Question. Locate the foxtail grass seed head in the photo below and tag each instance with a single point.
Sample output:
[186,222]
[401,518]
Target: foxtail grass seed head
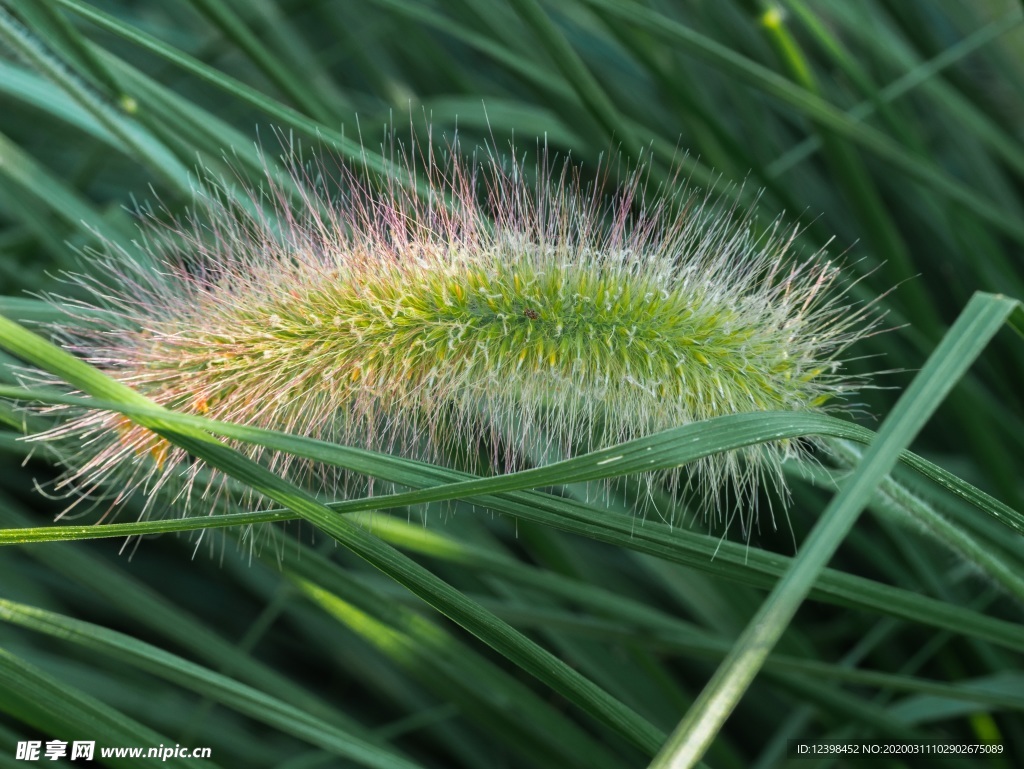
[463,312]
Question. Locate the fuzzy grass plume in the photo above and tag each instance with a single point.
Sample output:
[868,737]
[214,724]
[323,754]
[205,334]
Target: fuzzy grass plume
[481,315]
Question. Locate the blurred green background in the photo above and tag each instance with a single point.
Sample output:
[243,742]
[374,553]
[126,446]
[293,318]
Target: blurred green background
[891,129]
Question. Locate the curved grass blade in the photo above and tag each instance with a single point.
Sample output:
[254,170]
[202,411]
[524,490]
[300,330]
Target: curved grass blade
[452,603]
[488,695]
[730,560]
[667,449]
[106,114]
[120,590]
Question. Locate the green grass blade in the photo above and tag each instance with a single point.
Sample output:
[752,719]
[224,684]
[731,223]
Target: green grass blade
[288,117]
[36,181]
[906,507]
[449,601]
[587,88]
[743,68]
[120,590]
[644,624]
[19,39]
[670,448]
[978,323]
[54,707]
[240,697]
[922,73]
[726,559]
[426,649]
[286,78]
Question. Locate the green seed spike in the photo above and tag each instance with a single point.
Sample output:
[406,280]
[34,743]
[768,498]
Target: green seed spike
[490,310]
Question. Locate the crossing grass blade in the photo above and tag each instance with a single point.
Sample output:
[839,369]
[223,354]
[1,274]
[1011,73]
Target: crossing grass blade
[981,319]
[663,450]
[450,602]
[769,82]
[118,588]
[668,449]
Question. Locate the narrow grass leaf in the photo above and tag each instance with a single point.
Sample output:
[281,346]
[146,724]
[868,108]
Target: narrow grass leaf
[54,707]
[978,323]
[449,601]
[240,697]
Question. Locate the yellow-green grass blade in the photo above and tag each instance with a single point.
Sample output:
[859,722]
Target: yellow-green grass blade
[646,627]
[640,623]
[487,695]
